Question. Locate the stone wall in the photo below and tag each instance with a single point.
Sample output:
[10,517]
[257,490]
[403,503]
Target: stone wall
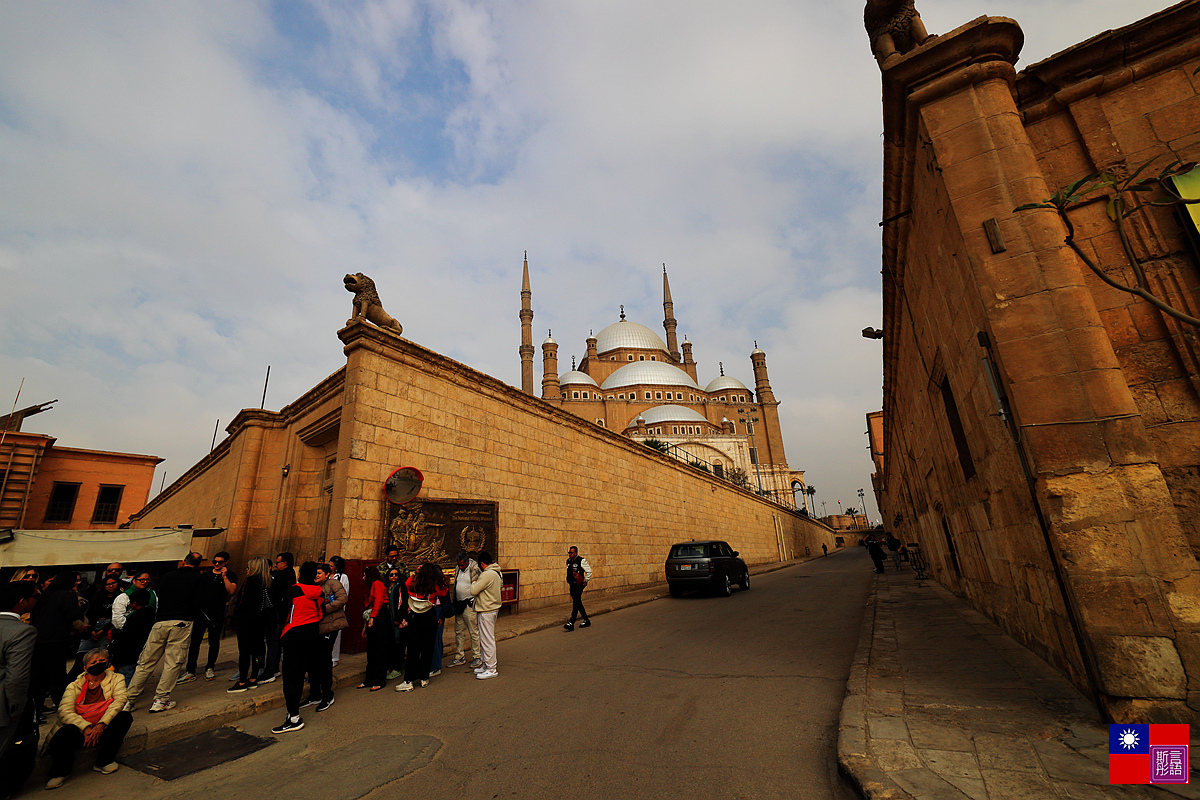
[1028,448]
[558,479]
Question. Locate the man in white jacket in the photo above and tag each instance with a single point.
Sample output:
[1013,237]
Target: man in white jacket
[486,591]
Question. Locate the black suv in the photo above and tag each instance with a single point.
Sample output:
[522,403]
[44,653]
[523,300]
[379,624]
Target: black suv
[705,565]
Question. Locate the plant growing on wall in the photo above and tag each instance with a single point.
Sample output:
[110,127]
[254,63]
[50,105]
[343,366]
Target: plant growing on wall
[738,477]
[1126,197]
[656,444]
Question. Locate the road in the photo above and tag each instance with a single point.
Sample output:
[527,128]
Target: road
[692,697]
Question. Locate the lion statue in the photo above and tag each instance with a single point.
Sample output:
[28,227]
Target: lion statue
[894,26]
[367,305]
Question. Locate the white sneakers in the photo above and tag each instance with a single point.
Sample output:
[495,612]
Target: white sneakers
[159,706]
[404,687]
[107,769]
[487,673]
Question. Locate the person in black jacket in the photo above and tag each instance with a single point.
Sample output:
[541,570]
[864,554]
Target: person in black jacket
[252,614]
[127,643]
[178,606]
[54,617]
[283,578]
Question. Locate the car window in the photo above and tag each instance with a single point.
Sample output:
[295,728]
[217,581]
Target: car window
[720,550]
[688,551]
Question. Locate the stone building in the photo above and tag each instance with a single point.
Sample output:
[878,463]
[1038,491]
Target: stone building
[1042,428]
[633,382]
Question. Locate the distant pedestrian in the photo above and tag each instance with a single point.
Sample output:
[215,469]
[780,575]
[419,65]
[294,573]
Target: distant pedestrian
[486,591]
[894,545]
[824,550]
[218,586]
[876,552]
[178,606]
[466,626]
[579,572]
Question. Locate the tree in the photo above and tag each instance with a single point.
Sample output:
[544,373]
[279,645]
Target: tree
[738,477]
[851,511]
[1126,199]
[811,491]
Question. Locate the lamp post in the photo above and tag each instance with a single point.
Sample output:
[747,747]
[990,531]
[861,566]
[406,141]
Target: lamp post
[862,506]
[744,417]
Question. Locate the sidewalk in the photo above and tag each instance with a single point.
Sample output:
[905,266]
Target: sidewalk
[942,705]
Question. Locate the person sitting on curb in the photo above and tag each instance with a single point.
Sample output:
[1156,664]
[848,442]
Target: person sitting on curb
[90,715]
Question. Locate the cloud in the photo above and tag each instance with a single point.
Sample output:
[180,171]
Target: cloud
[185,184]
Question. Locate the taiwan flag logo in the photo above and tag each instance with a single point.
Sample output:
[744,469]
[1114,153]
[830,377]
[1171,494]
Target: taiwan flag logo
[1147,754]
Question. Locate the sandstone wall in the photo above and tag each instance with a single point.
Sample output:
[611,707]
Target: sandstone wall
[559,480]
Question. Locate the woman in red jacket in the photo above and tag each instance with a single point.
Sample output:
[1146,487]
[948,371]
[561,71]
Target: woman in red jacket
[386,611]
[300,642]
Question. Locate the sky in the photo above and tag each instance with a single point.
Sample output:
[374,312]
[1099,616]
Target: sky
[183,185]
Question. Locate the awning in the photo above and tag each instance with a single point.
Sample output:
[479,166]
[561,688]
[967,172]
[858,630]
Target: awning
[20,548]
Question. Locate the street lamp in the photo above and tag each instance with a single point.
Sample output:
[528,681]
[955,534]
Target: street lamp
[862,505]
[745,418]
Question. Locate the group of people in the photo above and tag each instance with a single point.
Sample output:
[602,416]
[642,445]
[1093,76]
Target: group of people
[875,548]
[122,630]
[406,613]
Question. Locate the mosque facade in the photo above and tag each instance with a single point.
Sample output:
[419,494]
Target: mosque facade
[633,382]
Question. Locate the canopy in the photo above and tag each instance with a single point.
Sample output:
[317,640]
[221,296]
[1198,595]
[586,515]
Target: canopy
[20,548]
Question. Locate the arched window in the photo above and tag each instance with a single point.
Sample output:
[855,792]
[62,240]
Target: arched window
[574,395]
[600,422]
[648,395]
[658,395]
[631,357]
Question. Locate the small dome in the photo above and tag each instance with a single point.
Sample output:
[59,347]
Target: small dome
[724,382]
[549,340]
[668,413]
[653,373]
[575,376]
[628,334]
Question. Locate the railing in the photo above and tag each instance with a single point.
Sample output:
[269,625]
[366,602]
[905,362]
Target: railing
[680,454]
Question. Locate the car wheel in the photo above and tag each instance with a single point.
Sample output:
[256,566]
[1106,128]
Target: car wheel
[726,588]
[675,590]
[745,584]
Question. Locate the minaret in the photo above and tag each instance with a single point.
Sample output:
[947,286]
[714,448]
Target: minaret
[550,387]
[770,435]
[526,331]
[762,386]
[669,318]
[689,363]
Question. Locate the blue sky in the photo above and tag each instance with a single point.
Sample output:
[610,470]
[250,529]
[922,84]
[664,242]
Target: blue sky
[186,183]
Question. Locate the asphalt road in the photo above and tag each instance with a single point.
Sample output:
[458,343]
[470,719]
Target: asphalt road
[697,697]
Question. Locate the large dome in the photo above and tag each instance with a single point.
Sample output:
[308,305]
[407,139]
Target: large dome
[628,334]
[668,413]
[653,373]
[575,376]
[724,382]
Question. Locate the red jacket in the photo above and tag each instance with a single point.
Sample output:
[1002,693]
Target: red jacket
[306,606]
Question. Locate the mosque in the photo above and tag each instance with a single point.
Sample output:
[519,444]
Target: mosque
[634,383]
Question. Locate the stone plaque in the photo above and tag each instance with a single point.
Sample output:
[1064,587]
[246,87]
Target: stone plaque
[435,530]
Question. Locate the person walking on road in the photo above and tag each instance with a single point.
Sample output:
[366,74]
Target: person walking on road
[875,550]
[300,642]
[486,592]
[894,545]
[178,606]
[579,572]
[466,626]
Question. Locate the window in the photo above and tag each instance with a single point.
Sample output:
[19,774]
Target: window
[956,430]
[612,358]
[641,358]
[62,502]
[108,501]
[647,395]
[611,397]
[586,396]
[631,357]
[600,422]
[668,395]
[721,398]
[621,396]
[653,358]
[574,395]
[753,455]
[658,395]
[719,469]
